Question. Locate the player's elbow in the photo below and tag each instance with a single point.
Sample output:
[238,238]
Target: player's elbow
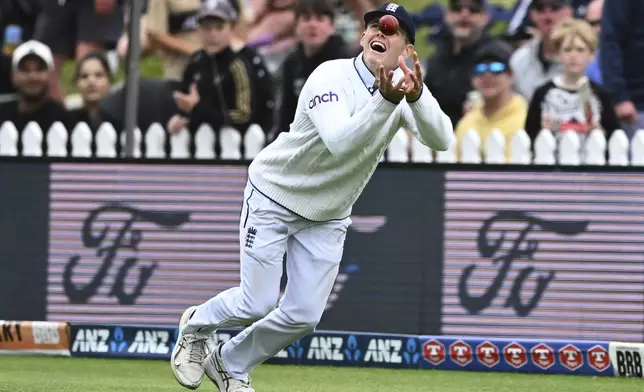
[439,138]
[337,149]
[444,142]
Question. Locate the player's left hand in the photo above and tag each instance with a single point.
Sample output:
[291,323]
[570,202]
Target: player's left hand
[413,79]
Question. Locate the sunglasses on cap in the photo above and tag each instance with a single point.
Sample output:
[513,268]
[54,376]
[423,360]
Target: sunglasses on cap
[473,8]
[543,5]
[496,68]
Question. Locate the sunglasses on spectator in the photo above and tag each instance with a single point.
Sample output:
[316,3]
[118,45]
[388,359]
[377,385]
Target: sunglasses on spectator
[495,68]
[472,8]
[542,6]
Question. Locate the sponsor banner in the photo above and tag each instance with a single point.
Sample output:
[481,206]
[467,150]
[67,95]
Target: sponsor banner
[547,255]
[137,244]
[34,337]
[525,356]
[382,351]
[627,359]
[353,349]
[320,348]
[93,340]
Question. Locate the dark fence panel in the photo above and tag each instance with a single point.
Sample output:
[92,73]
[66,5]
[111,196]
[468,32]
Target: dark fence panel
[24,203]
[396,286]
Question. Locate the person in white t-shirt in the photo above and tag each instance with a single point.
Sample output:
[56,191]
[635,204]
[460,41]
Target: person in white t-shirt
[298,201]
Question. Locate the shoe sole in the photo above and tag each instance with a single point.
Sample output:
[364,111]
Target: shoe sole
[182,321]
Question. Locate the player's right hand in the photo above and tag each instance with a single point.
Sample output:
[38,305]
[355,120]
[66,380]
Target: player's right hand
[393,93]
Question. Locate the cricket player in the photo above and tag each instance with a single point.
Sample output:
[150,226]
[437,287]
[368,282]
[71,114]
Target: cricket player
[298,200]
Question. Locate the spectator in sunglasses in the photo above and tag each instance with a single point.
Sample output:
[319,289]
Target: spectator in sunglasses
[499,106]
[449,69]
[536,61]
[594,18]
[520,25]
[571,102]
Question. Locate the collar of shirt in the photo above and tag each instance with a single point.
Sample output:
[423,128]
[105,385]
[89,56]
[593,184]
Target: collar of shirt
[368,78]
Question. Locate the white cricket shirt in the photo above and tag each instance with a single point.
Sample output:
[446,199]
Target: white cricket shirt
[341,129]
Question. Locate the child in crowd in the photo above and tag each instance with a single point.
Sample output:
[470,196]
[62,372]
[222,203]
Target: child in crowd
[570,101]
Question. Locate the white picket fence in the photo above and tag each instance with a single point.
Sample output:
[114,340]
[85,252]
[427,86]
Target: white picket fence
[106,139]
[569,150]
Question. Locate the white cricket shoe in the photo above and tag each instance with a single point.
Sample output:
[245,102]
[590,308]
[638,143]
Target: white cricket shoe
[188,355]
[214,368]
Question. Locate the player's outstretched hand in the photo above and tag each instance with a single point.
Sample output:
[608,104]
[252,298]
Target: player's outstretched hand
[384,82]
[413,79]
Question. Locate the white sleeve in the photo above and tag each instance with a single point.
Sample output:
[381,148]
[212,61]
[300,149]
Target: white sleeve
[427,121]
[327,106]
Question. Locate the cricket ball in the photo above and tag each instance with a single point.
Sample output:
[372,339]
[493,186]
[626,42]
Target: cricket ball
[388,25]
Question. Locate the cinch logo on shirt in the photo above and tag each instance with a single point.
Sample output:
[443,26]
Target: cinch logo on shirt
[328,97]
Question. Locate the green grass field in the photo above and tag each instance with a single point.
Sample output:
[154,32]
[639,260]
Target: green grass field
[33,374]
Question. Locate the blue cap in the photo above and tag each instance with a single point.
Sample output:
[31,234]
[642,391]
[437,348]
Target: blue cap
[399,12]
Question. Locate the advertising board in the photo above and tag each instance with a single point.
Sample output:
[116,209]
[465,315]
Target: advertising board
[34,337]
[139,243]
[498,253]
[544,254]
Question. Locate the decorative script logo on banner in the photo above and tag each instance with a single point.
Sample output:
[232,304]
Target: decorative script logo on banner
[126,238]
[521,248]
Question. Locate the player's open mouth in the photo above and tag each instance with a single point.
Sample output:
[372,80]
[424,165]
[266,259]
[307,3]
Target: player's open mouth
[378,47]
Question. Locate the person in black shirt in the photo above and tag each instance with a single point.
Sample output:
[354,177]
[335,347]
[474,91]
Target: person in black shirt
[448,71]
[264,82]
[264,88]
[93,79]
[219,85]
[32,65]
[318,43]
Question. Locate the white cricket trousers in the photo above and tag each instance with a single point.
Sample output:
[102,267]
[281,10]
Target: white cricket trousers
[314,251]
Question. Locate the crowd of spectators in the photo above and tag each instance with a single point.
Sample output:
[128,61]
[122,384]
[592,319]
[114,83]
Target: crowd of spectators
[564,65]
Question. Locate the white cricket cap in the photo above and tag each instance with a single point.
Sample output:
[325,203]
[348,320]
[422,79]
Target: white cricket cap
[33,48]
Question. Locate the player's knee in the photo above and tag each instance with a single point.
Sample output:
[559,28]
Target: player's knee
[305,320]
[258,310]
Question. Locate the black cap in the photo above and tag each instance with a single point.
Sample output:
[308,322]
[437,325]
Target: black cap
[495,51]
[397,11]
